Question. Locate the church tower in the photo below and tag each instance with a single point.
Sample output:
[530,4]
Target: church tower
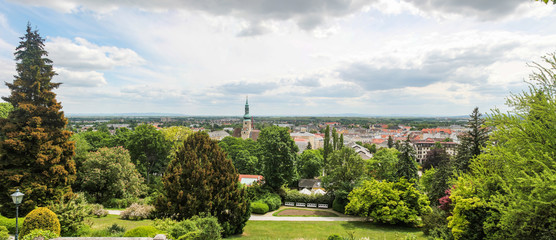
[247,127]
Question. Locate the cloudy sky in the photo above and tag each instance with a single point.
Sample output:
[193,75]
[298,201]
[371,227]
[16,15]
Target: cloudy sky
[292,57]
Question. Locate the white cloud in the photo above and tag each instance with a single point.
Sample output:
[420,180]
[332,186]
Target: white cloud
[84,55]
[79,78]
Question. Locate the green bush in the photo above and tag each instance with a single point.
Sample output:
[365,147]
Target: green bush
[182,228]
[115,229]
[164,224]
[4,235]
[40,233]
[198,227]
[71,213]
[435,224]
[259,207]
[335,237]
[120,203]
[137,212]
[9,223]
[41,218]
[143,231]
[208,226]
[273,201]
[339,205]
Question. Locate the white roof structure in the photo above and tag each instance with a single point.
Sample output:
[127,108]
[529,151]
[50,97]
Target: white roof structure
[305,191]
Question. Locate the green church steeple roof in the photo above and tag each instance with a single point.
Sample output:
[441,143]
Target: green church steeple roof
[247,116]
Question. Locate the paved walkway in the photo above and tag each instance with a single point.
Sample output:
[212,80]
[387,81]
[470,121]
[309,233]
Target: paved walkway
[114,212]
[341,217]
[268,216]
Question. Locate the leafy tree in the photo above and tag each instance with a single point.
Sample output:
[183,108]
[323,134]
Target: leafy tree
[472,141]
[406,166]
[96,139]
[176,135]
[341,142]
[5,109]
[109,173]
[200,179]
[383,164]
[278,155]
[509,191]
[344,170]
[436,156]
[370,147]
[388,202]
[309,146]
[149,150]
[310,164]
[35,152]
[243,154]
[120,137]
[335,139]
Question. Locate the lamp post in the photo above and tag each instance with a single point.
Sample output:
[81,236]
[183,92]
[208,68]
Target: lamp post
[17,196]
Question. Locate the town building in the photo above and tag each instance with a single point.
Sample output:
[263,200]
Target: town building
[423,147]
[247,130]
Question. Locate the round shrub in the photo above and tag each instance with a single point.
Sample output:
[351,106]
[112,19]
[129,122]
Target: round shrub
[41,218]
[183,228]
[259,207]
[208,226]
[143,231]
[272,200]
[39,233]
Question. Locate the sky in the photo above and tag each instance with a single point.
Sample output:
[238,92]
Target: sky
[291,57]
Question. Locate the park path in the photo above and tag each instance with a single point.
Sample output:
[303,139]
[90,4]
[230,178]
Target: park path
[341,217]
[268,216]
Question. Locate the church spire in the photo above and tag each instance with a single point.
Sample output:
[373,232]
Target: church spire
[246,116]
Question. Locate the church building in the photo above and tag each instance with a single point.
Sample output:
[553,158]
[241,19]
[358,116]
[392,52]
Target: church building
[247,130]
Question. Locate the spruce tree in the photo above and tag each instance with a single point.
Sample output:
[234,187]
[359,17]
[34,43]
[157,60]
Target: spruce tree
[390,142]
[36,154]
[200,179]
[472,141]
[406,166]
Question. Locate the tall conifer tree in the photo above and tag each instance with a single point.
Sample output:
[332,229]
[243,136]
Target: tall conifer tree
[36,154]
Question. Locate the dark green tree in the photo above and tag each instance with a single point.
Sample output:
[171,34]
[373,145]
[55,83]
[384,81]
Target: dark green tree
[390,142]
[344,169]
[309,146]
[200,179]
[244,154]
[278,155]
[435,157]
[149,150]
[310,164]
[335,139]
[406,166]
[35,152]
[341,142]
[327,147]
[472,141]
[96,139]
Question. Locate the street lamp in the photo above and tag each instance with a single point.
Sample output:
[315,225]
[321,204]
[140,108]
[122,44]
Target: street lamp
[17,196]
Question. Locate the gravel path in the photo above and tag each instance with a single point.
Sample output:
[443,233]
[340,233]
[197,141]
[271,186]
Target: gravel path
[341,217]
[114,212]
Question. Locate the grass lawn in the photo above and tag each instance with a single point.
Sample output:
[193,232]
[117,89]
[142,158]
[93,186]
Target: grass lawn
[321,230]
[104,222]
[296,212]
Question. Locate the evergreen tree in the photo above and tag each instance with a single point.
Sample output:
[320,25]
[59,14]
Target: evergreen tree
[200,179]
[309,146]
[390,142]
[472,141]
[406,166]
[35,151]
[341,142]
[327,148]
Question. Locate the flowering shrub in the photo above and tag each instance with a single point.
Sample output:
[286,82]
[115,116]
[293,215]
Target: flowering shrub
[446,202]
[137,212]
[98,210]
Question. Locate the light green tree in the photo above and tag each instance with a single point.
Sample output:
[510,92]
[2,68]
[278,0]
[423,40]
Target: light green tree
[509,190]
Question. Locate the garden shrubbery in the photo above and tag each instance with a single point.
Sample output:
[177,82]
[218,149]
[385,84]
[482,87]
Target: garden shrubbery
[41,218]
[197,227]
[295,196]
[4,235]
[40,233]
[259,207]
[9,223]
[142,231]
[98,210]
[137,212]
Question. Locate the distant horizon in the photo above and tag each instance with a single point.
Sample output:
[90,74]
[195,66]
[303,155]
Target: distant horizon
[239,116]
